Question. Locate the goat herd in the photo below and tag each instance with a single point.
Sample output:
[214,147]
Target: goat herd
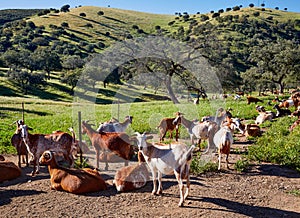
[111,143]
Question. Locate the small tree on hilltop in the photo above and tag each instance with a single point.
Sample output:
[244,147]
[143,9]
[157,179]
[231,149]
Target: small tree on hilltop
[251,5]
[65,8]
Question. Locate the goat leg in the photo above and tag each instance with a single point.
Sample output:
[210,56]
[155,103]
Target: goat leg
[227,162]
[159,190]
[181,189]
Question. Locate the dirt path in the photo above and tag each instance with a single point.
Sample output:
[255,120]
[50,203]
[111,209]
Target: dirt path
[264,191]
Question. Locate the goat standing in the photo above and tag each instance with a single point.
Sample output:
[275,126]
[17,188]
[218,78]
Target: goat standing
[223,139]
[201,130]
[167,161]
[167,125]
[37,143]
[118,143]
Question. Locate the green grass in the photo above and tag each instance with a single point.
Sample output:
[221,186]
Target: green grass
[278,145]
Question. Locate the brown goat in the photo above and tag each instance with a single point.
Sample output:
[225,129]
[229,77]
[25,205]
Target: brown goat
[251,99]
[132,177]
[38,143]
[167,125]
[253,130]
[118,143]
[76,181]
[8,170]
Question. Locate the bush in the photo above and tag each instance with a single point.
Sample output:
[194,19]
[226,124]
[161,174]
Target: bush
[82,15]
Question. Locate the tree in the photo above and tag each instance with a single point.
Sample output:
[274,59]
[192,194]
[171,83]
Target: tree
[82,15]
[49,60]
[100,13]
[65,8]
[275,62]
[71,78]
[251,5]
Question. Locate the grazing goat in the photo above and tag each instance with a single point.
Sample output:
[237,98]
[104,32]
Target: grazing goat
[17,142]
[281,112]
[264,116]
[76,181]
[201,130]
[251,99]
[132,177]
[115,125]
[38,143]
[223,139]
[167,161]
[118,143]
[252,130]
[8,170]
[167,125]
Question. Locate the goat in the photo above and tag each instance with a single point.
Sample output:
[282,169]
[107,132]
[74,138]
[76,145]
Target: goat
[37,143]
[264,116]
[8,170]
[76,181]
[221,115]
[167,125]
[223,139]
[259,108]
[287,103]
[252,130]
[115,125]
[251,99]
[201,130]
[280,112]
[167,161]
[132,177]
[17,142]
[118,143]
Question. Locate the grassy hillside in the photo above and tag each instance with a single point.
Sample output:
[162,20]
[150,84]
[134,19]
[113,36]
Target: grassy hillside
[94,28]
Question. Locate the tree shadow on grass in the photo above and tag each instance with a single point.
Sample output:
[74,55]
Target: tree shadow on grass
[3,109]
[245,209]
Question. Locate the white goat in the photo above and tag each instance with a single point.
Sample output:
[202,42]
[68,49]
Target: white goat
[221,115]
[223,139]
[201,130]
[264,116]
[167,161]
[115,126]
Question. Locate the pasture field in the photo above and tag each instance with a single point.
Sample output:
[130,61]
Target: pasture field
[277,145]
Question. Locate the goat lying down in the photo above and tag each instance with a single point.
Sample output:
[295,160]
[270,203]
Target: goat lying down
[69,179]
[167,161]
[132,177]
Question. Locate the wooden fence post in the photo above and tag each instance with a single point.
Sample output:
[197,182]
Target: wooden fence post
[80,136]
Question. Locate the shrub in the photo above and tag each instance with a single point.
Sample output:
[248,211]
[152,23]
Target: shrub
[256,14]
[82,15]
